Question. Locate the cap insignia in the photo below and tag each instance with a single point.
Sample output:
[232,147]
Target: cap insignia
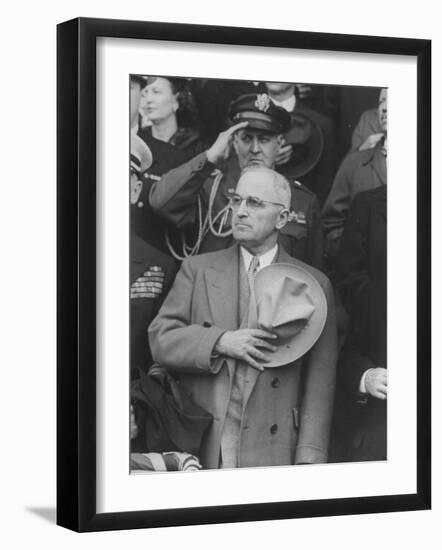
[262,102]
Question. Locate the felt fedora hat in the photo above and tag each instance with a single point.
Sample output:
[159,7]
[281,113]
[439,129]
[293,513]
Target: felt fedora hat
[290,303]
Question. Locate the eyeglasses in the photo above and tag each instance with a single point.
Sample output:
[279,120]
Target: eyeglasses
[252,203]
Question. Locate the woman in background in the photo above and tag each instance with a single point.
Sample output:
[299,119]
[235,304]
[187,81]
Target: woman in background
[170,114]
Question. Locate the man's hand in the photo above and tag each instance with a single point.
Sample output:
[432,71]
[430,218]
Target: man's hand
[284,154]
[221,148]
[371,141]
[376,383]
[243,344]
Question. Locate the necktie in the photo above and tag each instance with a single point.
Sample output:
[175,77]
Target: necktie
[251,274]
[252,271]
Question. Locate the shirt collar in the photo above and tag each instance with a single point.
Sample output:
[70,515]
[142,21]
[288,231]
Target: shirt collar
[264,260]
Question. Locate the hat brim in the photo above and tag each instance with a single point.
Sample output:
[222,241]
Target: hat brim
[315,147]
[259,124]
[303,341]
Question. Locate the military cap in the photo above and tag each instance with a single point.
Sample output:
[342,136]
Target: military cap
[260,112]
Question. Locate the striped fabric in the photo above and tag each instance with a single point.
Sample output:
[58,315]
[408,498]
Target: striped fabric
[163,462]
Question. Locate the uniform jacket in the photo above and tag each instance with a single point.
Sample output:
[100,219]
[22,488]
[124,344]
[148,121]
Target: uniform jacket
[175,198]
[359,171]
[143,310]
[146,223]
[287,409]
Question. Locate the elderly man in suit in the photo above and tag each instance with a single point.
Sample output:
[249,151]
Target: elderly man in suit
[263,415]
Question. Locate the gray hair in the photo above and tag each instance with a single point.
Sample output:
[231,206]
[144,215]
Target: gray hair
[279,182]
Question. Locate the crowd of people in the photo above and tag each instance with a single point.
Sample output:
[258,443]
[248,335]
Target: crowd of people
[258,273]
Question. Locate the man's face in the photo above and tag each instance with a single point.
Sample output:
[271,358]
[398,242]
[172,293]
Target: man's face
[256,147]
[382,109]
[256,227]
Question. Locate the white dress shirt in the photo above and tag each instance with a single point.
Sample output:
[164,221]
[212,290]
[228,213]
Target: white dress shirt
[264,260]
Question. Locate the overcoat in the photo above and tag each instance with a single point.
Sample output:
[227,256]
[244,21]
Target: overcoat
[287,410]
[359,171]
[360,420]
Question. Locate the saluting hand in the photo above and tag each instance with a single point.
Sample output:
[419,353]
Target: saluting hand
[284,153]
[243,344]
[220,149]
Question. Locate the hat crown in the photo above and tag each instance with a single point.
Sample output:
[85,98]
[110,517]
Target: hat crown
[291,303]
[285,308]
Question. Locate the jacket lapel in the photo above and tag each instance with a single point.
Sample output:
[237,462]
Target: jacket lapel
[283,257]
[222,289]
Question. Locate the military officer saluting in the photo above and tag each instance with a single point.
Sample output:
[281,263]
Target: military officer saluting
[195,196]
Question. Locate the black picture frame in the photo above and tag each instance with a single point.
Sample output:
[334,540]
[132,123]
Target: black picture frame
[76,273]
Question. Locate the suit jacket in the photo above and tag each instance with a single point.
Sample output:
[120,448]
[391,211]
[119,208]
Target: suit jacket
[287,411]
[359,171]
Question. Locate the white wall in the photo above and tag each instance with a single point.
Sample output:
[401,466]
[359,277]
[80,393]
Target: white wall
[27,289]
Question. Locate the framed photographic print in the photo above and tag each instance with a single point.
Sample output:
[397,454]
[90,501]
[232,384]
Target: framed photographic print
[234,274]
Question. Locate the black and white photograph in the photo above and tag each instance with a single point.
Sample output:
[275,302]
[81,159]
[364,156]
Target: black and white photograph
[220,324]
[258,266]
[237,306]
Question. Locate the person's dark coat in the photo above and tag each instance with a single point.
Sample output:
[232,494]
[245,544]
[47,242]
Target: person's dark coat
[167,417]
[359,171]
[145,222]
[142,310]
[187,140]
[362,275]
